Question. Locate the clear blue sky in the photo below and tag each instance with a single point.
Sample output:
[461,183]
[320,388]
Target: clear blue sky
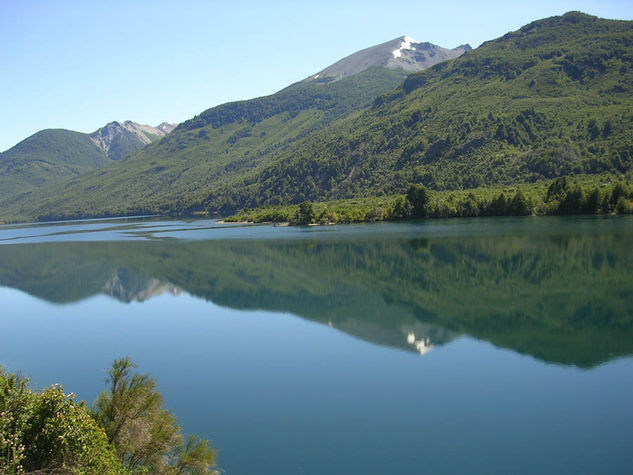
[80,64]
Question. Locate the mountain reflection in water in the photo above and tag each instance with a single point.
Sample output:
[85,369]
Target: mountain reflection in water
[563,297]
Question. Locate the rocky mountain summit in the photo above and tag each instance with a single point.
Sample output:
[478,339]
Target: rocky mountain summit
[400,53]
[166,127]
[120,139]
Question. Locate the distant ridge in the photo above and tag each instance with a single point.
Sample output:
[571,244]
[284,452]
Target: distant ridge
[51,156]
[120,139]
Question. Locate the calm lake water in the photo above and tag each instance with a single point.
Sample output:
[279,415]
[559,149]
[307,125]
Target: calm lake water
[446,346]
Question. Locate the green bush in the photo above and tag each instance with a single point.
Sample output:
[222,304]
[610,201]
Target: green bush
[146,436]
[48,431]
[128,431]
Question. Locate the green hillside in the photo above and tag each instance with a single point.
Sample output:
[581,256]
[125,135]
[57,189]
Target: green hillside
[554,98]
[47,157]
[551,99]
[225,141]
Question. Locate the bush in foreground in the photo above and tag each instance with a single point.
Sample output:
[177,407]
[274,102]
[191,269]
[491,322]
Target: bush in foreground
[47,431]
[127,430]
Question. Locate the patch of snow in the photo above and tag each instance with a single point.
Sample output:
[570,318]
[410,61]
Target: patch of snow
[408,40]
[406,44]
[316,76]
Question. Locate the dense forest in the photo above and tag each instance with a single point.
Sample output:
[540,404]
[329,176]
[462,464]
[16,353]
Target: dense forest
[49,156]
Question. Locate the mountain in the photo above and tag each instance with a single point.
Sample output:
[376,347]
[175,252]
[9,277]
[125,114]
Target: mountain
[553,98]
[119,140]
[48,156]
[226,142]
[401,53]
[550,99]
[51,156]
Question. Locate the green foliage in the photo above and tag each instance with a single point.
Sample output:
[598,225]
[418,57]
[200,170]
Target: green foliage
[47,158]
[335,99]
[418,197]
[551,99]
[145,435]
[566,197]
[341,211]
[176,174]
[193,455]
[563,196]
[520,206]
[624,205]
[63,435]
[49,432]
[305,214]
[401,209]
[15,408]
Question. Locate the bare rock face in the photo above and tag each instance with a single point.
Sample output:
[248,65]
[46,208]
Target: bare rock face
[120,139]
[403,53]
[166,127]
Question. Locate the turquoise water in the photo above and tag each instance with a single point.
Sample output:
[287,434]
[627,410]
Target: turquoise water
[478,346]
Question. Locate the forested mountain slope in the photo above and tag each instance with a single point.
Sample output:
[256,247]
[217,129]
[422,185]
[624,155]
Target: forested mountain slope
[51,156]
[221,144]
[553,98]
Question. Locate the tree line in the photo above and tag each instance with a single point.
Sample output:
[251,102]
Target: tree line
[563,196]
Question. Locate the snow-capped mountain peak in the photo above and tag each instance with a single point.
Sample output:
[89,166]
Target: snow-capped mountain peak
[400,53]
[406,44]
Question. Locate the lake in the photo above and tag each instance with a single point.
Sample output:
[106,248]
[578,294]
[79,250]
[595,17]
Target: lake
[488,345]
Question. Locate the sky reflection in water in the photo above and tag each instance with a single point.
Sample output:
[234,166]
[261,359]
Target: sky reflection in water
[528,323]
